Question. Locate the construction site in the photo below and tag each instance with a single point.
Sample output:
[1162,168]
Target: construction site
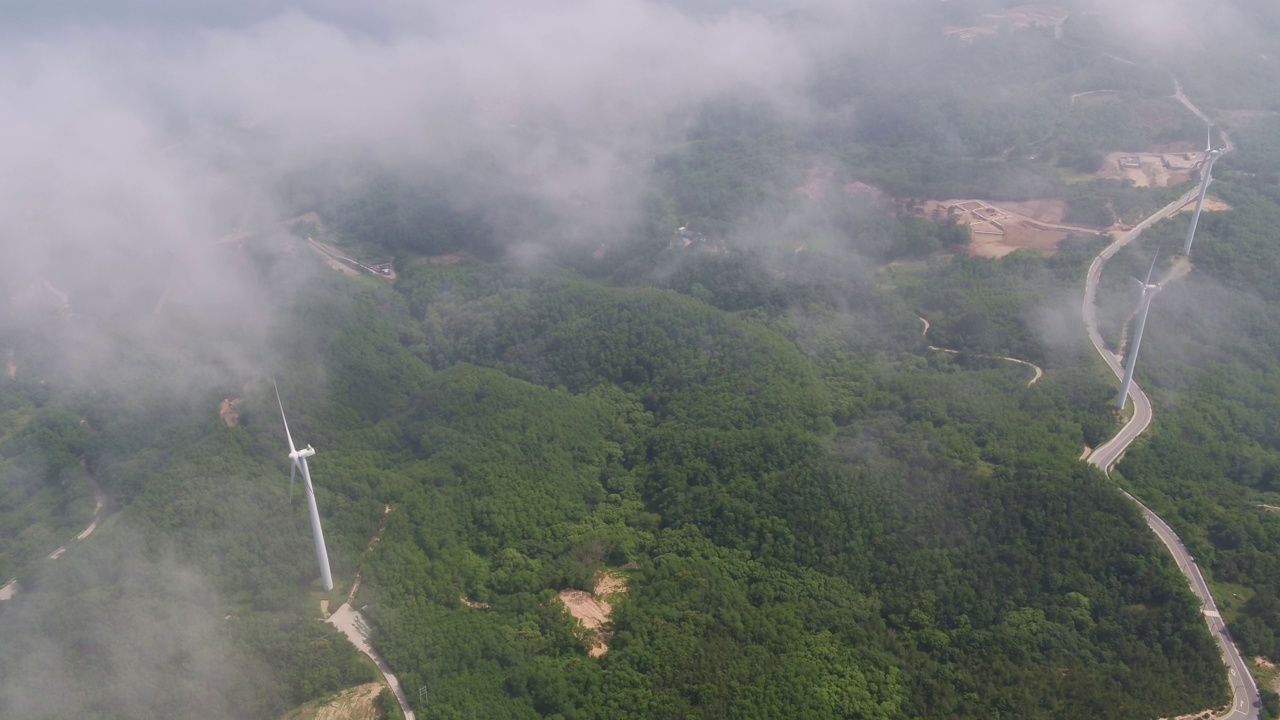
[999,230]
[1151,169]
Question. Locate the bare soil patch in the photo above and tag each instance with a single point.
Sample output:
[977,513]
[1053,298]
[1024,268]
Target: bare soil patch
[1211,204]
[1047,211]
[229,411]
[593,610]
[357,703]
[995,231]
[1150,169]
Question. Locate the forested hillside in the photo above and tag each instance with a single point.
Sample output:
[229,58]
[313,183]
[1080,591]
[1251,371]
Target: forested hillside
[723,397]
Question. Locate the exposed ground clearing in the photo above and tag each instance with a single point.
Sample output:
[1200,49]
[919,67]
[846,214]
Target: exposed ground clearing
[593,610]
[355,703]
[996,231]
[1046,211]
[229,411]
[1211,204]
[1147,169]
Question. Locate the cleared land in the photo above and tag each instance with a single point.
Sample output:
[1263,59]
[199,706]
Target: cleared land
[229,411]
[593,610]
[1211,204]
[1150,169]
[355,703]
[998,231]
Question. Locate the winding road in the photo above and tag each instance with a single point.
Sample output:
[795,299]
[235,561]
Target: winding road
[1245,701]
[1038,372]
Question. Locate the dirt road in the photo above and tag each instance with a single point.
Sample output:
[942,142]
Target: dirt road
[1038,372]
[352,624]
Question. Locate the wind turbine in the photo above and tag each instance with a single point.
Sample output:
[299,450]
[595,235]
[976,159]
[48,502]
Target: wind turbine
[1144,304]
[298,459]
[1210,156]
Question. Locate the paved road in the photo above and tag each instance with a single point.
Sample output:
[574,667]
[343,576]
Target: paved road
[1245,701]
[1244,692]
[1107,454]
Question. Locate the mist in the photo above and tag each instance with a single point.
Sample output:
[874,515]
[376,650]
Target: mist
[155,152]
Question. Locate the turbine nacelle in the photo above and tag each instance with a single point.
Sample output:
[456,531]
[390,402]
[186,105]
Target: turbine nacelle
[305,452]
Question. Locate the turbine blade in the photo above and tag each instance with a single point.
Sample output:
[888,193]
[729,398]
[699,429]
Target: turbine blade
[322,553]
[1149,270]
[292,449]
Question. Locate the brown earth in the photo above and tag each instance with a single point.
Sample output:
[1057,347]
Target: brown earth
[1157,169]
[355,703]
[1211,204]
[593,610]
[995,232]
[1048,211]
[1017,236]
[229,411]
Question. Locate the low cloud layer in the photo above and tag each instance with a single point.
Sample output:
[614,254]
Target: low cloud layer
[132,146]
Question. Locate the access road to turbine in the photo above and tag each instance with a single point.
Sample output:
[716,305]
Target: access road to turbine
[1245,700]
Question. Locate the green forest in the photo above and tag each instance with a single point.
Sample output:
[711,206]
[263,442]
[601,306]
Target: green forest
[818,510]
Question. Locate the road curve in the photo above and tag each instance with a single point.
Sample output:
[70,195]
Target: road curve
[1107,454]
[1245,700]
[1037,372]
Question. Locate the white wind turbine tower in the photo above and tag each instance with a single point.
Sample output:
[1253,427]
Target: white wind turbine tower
[298,458]
[1211,155]
[1144,304]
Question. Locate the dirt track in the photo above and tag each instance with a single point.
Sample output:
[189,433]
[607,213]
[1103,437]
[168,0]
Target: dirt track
[1038,372]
